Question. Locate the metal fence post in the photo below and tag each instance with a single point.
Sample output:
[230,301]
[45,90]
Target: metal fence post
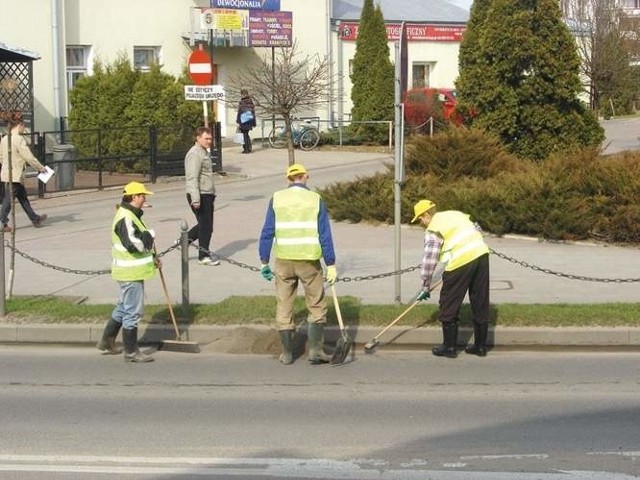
[41,154]
[153,153]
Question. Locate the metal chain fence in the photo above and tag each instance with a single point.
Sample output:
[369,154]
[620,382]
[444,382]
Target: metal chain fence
[362,278]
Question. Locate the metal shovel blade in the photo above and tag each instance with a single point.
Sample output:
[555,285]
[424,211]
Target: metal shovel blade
[343,347]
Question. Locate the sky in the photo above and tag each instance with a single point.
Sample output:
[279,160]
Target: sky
[466,4]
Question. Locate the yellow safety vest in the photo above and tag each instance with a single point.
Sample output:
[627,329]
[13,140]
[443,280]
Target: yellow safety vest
[463,243]
[126,266]
[296,210]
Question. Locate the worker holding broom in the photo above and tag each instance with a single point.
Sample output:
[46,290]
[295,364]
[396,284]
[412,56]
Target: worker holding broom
[133,263]
[451,238]
[297,227]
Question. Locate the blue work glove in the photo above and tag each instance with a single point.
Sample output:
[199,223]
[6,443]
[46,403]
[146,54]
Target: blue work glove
[266,272]
[423,296]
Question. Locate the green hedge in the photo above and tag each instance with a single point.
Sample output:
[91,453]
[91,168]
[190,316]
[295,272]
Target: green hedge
[572,195]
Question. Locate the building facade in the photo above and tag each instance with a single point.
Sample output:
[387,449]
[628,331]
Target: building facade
[70,35]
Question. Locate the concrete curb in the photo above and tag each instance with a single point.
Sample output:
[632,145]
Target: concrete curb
[398,336]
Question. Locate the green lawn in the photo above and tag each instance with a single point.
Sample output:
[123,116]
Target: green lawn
[261,310]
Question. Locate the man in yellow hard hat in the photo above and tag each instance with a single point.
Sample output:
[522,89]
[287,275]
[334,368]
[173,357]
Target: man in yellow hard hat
[133,262]
[453,239]
[297,228]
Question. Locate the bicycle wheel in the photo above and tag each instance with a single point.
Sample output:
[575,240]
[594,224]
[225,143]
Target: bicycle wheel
[309,139]
[278,138]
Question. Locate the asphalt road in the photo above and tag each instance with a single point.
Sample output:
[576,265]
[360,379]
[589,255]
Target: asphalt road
[388,415]
[621,134]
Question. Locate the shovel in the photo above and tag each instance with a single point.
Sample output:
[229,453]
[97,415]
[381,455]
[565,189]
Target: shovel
[344,343]
[369,347]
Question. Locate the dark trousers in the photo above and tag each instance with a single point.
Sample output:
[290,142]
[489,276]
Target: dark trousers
[246,147]
[473,278]
[203,230]
[20,193]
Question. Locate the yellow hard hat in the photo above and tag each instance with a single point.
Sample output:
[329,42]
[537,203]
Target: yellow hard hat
[295,170]
[422,207]
[136,188]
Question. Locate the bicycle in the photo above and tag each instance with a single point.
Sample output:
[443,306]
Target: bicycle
[306,136]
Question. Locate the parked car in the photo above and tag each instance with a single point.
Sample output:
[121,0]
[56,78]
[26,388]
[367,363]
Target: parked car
[422,103]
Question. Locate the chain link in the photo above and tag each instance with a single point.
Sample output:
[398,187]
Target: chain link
[57,268]
[362,278]
[563,275]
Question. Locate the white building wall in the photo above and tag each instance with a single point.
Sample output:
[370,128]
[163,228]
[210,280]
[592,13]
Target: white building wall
[443,56]
[27,24]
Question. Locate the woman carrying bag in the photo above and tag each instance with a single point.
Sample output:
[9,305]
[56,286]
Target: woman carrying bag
[246,119]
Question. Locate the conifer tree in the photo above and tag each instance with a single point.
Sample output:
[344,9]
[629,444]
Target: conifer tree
[519,78]
[372,79]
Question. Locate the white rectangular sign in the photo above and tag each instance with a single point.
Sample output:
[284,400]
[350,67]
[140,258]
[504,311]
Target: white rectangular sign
[204,92]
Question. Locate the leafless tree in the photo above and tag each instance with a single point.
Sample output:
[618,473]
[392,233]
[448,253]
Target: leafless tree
[601,29]
[284,84]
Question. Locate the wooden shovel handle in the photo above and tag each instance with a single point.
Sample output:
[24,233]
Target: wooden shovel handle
[166,296]
[337,307]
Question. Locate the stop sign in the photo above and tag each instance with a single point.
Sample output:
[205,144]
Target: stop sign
[200,70]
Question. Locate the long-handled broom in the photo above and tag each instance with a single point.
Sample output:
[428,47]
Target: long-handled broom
[176,345]
[344,343]
[370,346]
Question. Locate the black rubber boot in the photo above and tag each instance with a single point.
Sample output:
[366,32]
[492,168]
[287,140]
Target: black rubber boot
[107,345]
[315,332]
[131,351]
[479,347]
[450,339]
[286,336]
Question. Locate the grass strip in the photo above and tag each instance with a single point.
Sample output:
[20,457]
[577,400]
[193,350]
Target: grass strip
[261,310]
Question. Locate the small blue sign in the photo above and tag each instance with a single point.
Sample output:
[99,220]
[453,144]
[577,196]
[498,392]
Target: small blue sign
[273,5]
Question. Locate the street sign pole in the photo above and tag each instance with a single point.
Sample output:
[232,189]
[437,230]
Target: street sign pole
[201,73]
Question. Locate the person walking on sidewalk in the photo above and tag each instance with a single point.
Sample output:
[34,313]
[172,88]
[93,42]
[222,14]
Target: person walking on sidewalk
[21,156]
[246,119]
[133,262]
[297,227]
[451,238]
[201,194]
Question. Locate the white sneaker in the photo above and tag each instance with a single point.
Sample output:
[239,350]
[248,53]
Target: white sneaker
[209,261]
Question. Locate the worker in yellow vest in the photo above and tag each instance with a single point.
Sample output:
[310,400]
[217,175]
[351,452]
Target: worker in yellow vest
[453,239]
[133,262]
[297,228]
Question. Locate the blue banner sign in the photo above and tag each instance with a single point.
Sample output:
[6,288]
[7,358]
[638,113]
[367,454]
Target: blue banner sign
[273,5]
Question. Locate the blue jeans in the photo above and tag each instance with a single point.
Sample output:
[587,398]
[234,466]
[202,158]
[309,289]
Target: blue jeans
[130,307]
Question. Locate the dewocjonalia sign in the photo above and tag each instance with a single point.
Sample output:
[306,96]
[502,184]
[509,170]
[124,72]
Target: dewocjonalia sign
[247,4]
[416,32]
[270,29]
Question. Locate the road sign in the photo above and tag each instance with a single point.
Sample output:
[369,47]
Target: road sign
[204,92]
[200,69]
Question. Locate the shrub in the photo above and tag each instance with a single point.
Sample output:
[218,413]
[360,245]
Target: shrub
[578,194]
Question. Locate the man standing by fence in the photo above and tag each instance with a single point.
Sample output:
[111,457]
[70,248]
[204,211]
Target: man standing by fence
[201,194]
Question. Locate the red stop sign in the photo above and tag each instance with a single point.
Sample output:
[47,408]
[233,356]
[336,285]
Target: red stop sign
[200,70]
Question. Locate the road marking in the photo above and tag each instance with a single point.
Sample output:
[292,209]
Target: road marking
[516,456]
[270,467]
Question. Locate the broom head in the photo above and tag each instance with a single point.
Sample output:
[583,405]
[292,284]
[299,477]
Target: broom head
[179,346]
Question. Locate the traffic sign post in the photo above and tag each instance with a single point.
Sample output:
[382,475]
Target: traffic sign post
[201,73]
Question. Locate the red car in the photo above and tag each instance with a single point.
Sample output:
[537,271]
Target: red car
[422,103]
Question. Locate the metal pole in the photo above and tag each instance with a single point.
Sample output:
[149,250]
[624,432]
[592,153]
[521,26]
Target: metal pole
[397,184]
[3,302]
[184,248]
